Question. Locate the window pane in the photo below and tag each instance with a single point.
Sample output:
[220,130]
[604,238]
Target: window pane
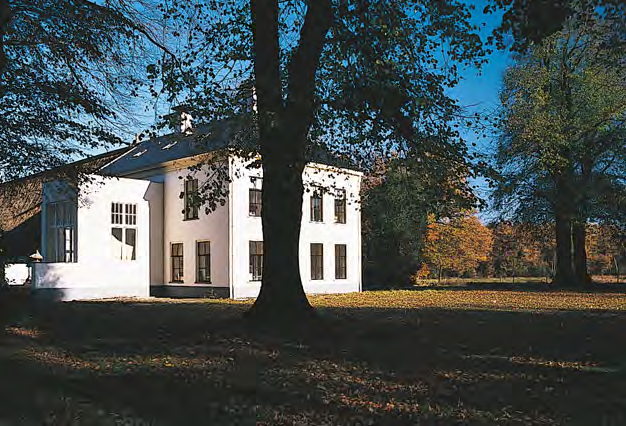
[203,261]
[68,243]
[191,202]
[340,261]
[116,213]
[340,208]
[117,243]
[256,260]
[60,225]
[255,202]
[317,206]
[130,247]
[177,262]
[317,261]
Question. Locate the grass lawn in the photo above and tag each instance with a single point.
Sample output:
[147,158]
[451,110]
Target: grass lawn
[379,358]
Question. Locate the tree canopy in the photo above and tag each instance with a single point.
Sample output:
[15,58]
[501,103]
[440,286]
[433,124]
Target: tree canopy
[456,245]
[357,79]
[396,203]
[68,73]
[561,150]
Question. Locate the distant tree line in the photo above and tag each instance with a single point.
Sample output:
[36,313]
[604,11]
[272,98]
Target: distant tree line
[405,243]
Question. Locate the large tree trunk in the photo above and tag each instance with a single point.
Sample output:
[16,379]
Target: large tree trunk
[283,133]
[282,295]
[564,276]
[5,17]
[579,236]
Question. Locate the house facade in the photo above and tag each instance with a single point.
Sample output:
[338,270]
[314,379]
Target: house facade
[137,227]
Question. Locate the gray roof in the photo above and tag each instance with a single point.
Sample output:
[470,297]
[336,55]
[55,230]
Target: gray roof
[218,135]
[156,151]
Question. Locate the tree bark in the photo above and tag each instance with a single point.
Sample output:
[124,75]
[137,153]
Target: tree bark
[564,276]
[579,236]
[5,17]
[283,135]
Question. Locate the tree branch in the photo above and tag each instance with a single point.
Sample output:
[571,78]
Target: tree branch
[266,52]
[305,61]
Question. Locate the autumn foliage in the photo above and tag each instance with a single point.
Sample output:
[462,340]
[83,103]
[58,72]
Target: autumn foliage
[456,246]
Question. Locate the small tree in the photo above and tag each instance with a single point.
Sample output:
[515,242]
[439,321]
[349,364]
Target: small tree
[457,245]
[396,201]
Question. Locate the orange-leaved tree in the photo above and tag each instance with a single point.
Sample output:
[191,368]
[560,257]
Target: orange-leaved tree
[456,245]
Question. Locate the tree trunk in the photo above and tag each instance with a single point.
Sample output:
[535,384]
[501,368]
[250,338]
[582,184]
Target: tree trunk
[5,17]
[579,235]
[564,276]
[283,134]
[3,281]
[282,295]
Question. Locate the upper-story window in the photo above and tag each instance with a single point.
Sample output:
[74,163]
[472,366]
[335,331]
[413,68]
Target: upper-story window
[255,202]
[61,232]
[191,199]
[124,231]
[340,207]
[317,206]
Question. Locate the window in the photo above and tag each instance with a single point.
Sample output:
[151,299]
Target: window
[61,228]
[191,199]
[340,207]
[256,260]
[176,257]
[317,206]
[116,213]
[124,243]
[341,266]
[255,202]
[124,233]
[203,262]
[131,214]
[317,261]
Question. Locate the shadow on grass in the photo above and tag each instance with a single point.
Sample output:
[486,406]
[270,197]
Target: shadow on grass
[184,363]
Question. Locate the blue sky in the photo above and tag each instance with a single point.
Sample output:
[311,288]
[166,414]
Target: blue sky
[479,90]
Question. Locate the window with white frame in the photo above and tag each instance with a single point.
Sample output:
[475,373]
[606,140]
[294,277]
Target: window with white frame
[255,202]
[124,231]
[61,232]
[191,199]
[256,260]
[341,264]
[317,206]
[176,260]
[203,261]
[317,261]
[340,207]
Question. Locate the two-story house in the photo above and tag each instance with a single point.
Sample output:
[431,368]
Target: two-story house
[136,228]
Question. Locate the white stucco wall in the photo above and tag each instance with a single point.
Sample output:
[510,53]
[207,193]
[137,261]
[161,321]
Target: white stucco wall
[96,273]
[247,228]
[213,227]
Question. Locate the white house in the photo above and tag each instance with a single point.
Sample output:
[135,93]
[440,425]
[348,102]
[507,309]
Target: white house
[135,228]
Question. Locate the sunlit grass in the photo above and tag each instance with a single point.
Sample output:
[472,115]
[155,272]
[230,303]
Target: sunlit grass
[475,299]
